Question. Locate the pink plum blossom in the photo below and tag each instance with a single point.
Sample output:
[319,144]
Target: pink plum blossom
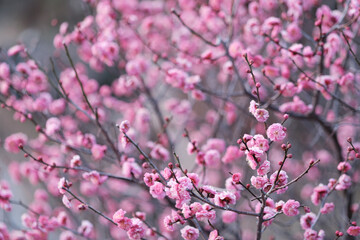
[276,132]
[353,230]
[190,233]
[122,221]
[13,142]
[291,208]
[224,198]
[307,220]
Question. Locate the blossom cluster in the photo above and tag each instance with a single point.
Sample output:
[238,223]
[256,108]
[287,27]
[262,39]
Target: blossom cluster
[188,120]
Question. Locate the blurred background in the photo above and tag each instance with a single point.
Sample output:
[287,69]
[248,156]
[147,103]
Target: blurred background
[34,23]
[30,22]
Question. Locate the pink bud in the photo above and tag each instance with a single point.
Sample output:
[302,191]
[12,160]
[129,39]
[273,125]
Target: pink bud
[236,177]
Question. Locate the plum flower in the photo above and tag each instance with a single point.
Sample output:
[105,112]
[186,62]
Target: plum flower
[255,157]
[94,177]
[13,142]
[159,152]
[327,208]
[106,52]
[319,193]
[232,153]
[15,50]
[98,151]
[224,198]
[279,180]
[212,158]
[169,224]
[179,190]
[264,168]
[311,234]
[52,126]
[63,183]
[291,208]
[5,195]
[253,106]
[157,190]
[205,213]
[190,233]
[276,132]
[86,228]
[307,220]
[261,115]
[131,168]
[344,182]
[124,126]
[236,177]
[137,230]
[261,142]
[229,217]
[122,221]
[259,181]
[151,178]
[353,230]
[214,235]
[66,201]
[75,161]
[209,190]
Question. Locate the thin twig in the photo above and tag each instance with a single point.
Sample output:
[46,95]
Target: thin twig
[146,157]
[296,179]
[94,111]
[89,206]
[192,30]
